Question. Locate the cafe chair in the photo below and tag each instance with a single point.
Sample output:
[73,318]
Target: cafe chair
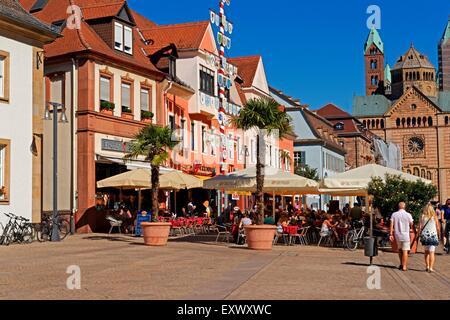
[114,224]
[224,232]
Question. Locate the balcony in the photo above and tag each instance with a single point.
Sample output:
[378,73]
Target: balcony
[209,105]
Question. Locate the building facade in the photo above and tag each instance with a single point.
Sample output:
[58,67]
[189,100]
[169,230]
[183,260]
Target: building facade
[22,105]
[414,115]
[352,135]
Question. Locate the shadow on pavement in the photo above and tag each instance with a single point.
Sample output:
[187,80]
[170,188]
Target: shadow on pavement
[379,265]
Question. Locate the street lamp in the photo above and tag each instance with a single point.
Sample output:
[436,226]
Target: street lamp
[48,117]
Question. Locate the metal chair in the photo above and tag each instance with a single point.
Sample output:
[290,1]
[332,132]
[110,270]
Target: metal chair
[223,231]
[114,224]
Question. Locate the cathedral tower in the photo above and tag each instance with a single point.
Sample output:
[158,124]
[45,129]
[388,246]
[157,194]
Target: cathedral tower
[374,63]
[444,59]
[413,69]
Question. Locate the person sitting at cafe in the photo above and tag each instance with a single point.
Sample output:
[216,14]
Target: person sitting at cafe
[245,221]
[269,220]
[329,228]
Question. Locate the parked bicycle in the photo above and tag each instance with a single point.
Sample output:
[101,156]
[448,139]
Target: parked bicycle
[355,237]
[17,230]
[46,229]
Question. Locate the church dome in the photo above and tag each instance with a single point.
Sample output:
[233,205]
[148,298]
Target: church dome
[413,59]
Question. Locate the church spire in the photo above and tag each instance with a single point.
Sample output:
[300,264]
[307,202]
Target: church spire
[446,34]
[375,39]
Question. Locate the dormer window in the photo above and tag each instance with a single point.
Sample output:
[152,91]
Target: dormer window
[339,126]
[123,38]
[172,67]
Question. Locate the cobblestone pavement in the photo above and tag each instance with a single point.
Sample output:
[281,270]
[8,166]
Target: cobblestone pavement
[119,267]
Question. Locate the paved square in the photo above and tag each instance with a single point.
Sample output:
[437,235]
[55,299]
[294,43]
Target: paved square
[119,267]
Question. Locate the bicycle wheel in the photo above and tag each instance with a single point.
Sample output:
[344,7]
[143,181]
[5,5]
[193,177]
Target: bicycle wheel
[352,243]
[43,234]
[64,229]
[27,233]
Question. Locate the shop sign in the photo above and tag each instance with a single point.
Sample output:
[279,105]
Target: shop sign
[235,197]
[116,146]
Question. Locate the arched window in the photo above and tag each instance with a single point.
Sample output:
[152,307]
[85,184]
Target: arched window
[418,75]
[373,123]
[413,107]
[429,175]
[408,122]
[376,80]
[403,122]
[398,122]
[422,173]
[409,171]
[446,120]
[365,124]
[372,80]
[430,121]
[432,76]
[414,122]
[416,172]
[378,123]
[382,124]
[424,121]
[419,121]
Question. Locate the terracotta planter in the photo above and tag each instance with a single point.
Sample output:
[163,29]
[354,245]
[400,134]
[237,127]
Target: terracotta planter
[127,115]
[107,111]
[147,120]
[155,234]
[413,244]
[260,237]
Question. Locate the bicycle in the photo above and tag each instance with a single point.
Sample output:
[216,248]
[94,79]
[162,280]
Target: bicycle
[17,230]
[46,229]
[355,237]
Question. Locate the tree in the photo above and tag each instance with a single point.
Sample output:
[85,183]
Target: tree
[389,193]
[285,157]
[153,142]
[264,116]
[307,172]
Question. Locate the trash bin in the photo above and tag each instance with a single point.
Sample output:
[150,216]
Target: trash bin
[370,247]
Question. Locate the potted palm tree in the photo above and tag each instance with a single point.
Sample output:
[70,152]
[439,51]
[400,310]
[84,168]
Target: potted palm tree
[154,142]
[264,116]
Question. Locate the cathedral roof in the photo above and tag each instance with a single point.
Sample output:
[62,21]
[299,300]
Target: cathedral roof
[368,106]
[446,34]
[443,101]
[387,74]
[374,38]
[413,59]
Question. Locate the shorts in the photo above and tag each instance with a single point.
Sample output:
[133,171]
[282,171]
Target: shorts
[431,249]
[404,246]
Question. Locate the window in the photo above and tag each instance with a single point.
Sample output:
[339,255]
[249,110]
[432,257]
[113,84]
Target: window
[126,97]
[4,76]
[4,170]
[287,164]
[183,132]
[192,136]
[339,126]
[300,159]
[128,40]
[239,148]
[145,100]
[172,122]
[172,67]
[207,80]
[203,139]
[105,89]
[118,36]
[230,147]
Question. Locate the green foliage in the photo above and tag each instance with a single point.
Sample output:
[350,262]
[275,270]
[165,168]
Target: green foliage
[146,115]
[388,194]
[263,114]
[126,109]
[106,105]
[307,172]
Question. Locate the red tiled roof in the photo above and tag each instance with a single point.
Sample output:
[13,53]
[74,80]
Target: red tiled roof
[183,35]
[331,110]
[98,11]
[86,39]
[247,67]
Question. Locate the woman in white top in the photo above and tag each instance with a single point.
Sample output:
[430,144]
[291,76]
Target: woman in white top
[429,235]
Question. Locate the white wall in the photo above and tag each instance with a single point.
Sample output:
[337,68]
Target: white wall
[16,125]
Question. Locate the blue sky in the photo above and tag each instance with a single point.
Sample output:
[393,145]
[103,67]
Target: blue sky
[313,50]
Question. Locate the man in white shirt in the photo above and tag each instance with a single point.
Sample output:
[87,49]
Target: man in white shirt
[401,224]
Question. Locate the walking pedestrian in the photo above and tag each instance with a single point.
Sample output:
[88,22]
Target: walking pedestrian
[429,235]
[401,224]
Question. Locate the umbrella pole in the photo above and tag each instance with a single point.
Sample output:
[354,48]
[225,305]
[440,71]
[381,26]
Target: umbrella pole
[175,200]
[139,200]
[273,204]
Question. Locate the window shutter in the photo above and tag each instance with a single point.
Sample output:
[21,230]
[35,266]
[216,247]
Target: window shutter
[105,89]
[2,167]
[118,36]
[128,39]
[2,77]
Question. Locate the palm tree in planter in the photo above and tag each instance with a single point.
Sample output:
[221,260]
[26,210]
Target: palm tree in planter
[265,116]
[154,143]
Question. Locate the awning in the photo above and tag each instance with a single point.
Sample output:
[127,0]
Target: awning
[130,164]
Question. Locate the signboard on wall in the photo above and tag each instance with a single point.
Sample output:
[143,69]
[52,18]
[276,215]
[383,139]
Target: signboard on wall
[235,197]
[116,146]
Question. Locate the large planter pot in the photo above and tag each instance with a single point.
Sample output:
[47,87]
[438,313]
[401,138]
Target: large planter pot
[260,237]
[155,234]
[412,235]
[127,115]
[107,111]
